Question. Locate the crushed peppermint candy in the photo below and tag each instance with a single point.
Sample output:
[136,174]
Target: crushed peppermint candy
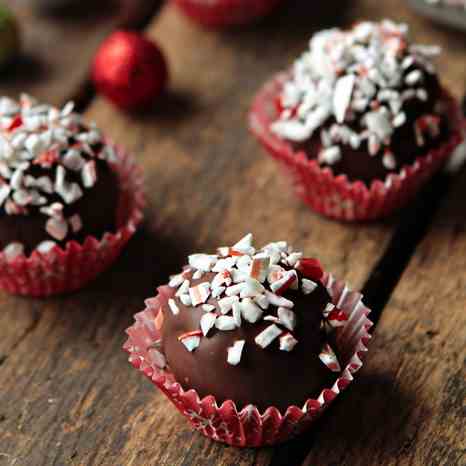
[235,352]
[354,87]
[191,340]
[237,286]
[329,358]
[47,153]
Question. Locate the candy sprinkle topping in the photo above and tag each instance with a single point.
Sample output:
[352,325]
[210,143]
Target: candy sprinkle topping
[47,154]
[240,286]
[358,84]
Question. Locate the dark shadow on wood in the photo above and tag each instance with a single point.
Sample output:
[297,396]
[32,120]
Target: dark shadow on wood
[147,262]
[173,107]
[23,70]
[349,422]
[74,11]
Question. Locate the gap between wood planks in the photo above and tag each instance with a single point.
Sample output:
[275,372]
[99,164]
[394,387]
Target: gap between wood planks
[413,225]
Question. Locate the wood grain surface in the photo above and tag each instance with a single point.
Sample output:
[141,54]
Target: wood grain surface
[67,394]
[57,50]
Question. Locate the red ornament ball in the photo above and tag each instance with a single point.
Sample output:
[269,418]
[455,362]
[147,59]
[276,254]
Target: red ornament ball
[129,70]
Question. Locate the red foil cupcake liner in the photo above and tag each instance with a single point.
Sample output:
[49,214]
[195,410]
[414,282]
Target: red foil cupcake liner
[335,196]
[223,13]
[63,270]
[249,427]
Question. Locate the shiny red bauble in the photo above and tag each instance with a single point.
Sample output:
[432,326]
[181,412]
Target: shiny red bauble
[130,70]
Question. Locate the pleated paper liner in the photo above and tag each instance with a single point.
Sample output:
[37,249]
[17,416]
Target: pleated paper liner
[249,427]
[61,270]
[335,196]
[224,13]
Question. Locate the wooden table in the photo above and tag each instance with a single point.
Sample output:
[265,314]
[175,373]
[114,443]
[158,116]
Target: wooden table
[68,395]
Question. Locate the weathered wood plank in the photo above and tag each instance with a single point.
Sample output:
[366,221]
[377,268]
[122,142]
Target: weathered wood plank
[409,405]
[57,50]
[207,183]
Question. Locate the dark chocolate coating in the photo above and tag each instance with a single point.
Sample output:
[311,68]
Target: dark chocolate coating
[358,164]
[97,208]
[264,377]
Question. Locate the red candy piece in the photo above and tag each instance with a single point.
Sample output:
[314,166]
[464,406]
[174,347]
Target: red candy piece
[286,285]
[311,268]
[194,333]
[337,318]
[129,70]
[16,123]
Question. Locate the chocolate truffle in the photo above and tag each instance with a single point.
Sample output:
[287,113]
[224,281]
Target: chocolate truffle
[56,181]
[365,102]
[255,327]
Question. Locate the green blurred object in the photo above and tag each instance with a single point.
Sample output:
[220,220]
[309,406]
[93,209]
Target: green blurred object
[9,36]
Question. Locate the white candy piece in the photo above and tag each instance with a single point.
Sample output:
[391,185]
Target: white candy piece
[244,245]
[45,246]
[57,228]
[235,352]
[198,274]
[175,281]
[330,155]
[207,322]
[287,342]
[226,304]
[259,268]
[294,257]
[308,286]
[203,262]
[328,309]
[208,307]
[186,299]
[287,318]
[184,288]
[224,264]
[342,96]
[89,174]
[262,301]
[191,342]
[278,301]
[225,323]
[200,293]
[267,336]
[237,314]
[13,250]
[173,307]
[243,263]
[250,311]
[251,288]
[286,277]
[217,291]
[234,290]
[329,358]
